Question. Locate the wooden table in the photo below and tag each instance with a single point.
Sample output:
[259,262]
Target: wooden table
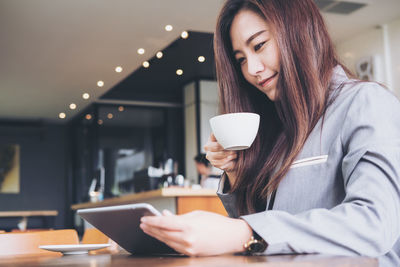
[122,260]
[177,200]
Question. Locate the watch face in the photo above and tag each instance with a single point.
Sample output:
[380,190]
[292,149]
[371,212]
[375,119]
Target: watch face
[257,246]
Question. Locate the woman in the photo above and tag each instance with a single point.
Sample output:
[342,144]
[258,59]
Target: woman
[205,170]
[322,175]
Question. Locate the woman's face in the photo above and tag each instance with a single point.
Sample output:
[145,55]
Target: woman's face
[256,50]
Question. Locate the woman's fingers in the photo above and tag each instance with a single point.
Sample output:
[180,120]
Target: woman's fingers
[230,166]
[172,239]
[161,233]
[220,155]
[167,213]
[169,222]
[232,155]
[221,160]
[178,240]
[213,146]
[212,138]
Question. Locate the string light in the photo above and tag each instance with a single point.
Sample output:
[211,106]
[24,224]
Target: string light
[168,28]
[100,83]
[184,34]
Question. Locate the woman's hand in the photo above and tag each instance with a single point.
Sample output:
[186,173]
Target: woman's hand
[220,158]
[198,233]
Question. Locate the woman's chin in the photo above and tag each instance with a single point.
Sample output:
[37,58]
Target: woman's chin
[271,94]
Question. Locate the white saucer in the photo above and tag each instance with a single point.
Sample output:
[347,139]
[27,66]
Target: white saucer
[74,249]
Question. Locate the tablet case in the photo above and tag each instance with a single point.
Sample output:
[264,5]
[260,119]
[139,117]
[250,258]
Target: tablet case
[121,224]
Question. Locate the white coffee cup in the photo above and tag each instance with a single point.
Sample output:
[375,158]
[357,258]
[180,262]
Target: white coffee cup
[235,131]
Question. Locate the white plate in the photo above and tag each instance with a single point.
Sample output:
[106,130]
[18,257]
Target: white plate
[74,249]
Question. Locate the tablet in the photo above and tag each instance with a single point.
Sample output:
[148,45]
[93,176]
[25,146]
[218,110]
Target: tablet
[121,224]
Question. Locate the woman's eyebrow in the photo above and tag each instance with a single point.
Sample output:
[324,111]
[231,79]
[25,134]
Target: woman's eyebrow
[248,41]
[254,36]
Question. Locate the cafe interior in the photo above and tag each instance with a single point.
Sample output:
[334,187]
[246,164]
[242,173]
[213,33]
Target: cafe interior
[108,102]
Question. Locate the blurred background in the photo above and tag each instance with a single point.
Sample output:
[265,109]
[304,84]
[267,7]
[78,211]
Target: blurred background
[107,96]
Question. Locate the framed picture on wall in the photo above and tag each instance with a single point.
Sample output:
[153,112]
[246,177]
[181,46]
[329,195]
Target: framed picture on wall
[365,68]
[370,68]
[9,168]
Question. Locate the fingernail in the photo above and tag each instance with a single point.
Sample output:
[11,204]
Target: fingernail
[167,213]
[143,219]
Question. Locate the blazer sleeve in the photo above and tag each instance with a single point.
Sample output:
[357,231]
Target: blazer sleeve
[367,222]
[227,199]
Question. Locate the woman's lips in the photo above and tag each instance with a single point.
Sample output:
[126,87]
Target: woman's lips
[265,82]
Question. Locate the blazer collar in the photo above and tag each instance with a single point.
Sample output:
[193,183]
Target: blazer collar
[338,77]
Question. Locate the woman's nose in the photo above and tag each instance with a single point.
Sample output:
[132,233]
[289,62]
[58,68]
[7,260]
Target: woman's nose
[254,65]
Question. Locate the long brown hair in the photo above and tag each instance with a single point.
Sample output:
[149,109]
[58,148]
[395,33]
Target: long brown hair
[306,66]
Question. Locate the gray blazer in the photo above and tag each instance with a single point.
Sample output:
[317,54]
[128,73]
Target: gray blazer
[342,193]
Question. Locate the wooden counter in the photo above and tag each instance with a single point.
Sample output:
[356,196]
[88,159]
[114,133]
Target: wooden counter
[28,213]
[107,260]
[176,199]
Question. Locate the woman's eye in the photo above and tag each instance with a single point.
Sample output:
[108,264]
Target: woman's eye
[258,46]
[240,60]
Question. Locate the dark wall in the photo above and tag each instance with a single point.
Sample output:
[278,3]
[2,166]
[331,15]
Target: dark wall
[43,171]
